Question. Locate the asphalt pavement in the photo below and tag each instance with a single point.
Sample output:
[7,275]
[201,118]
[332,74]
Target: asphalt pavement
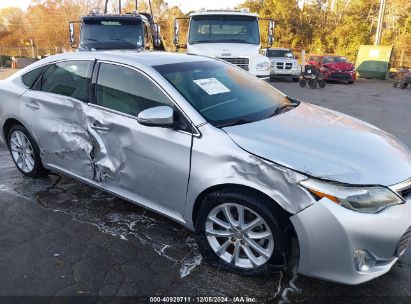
[62,241]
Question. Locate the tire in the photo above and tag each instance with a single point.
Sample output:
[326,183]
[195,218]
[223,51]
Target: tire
[395,84]
[350,82]
[277,244]
[403,85]
[294,79]
[321,84]
[302,83]
[25,152]
[312,83]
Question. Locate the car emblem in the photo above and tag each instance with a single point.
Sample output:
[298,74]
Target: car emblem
[225,54]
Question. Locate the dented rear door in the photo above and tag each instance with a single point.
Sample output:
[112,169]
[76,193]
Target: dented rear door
[54,111]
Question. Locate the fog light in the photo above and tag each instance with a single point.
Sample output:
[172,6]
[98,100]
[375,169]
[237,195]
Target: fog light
[363,260]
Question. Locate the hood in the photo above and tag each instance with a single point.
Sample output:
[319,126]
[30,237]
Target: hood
[221,50]
[326,144]
[340,66]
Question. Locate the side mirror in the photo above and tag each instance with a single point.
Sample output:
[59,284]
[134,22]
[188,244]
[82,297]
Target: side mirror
[176,32]
[157,40]
[157,116]
[270,32]
[73,43]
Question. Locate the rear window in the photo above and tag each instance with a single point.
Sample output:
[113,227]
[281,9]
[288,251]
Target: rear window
[30,77]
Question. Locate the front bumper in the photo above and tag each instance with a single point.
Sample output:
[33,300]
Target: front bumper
[329,234]
[340,76]
[285,72]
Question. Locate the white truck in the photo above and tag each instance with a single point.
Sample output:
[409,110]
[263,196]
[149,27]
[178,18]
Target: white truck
[283,63]
[233,36]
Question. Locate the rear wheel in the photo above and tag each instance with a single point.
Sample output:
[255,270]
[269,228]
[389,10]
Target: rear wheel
[350,82]
[395,84]
[239,232]
[312,83]
[321,84]
[403,85]
[25,152]
[302,83]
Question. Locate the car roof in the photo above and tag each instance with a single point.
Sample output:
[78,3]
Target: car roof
[129,57]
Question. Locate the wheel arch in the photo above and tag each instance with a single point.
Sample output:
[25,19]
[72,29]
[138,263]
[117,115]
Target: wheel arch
[8,124]
[237,188]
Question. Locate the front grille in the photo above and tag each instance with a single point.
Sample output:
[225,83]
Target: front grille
[241,62]
[339,76]
[404,242]
[284,65]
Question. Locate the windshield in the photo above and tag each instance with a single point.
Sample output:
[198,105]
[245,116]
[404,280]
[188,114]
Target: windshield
[224,28]
[222,94]
[280,53]
[111,34]
[334,59]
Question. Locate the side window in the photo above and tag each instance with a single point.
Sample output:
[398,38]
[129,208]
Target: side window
[67,78]
[127,91]
[30,77]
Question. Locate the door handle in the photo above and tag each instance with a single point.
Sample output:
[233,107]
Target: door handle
[100,128]
[32,105]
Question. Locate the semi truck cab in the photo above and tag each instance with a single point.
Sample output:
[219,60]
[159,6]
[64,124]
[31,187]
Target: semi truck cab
[233,36]
[132,31]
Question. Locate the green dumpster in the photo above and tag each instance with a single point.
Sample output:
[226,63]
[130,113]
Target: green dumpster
[373,61]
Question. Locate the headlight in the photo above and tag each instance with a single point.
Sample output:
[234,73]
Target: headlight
[370,199]
[262,66]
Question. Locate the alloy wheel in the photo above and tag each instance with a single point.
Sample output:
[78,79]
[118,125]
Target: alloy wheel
[239,235]
[22,151]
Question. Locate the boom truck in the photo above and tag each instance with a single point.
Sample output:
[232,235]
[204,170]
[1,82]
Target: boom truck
[129,31]
[230,35]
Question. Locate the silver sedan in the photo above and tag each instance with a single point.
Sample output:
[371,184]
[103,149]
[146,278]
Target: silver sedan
[203,142]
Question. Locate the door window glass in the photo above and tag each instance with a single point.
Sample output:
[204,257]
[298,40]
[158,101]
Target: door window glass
[30,77]
[67,78]
[127,91]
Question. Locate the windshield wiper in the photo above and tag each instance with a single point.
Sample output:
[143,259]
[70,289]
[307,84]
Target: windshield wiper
[236,40]
[282,108]
[234,122]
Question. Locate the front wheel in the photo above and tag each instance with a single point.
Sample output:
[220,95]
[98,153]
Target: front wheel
[25,152]
[302,83]
[403,85]
[312,83]
[241,234]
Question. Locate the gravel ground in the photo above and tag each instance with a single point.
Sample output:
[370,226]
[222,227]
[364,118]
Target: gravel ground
[61,239]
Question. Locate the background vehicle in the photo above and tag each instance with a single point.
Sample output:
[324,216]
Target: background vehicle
[334,67]
[402,78]
[283,63]
[233,36]
[313,76]
[131,31]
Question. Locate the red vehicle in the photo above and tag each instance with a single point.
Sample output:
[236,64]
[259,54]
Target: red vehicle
[334,67]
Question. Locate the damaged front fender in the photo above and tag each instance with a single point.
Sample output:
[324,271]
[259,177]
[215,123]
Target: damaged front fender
[217,160]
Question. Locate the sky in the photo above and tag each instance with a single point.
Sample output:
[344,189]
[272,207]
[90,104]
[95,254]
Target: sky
[185,5]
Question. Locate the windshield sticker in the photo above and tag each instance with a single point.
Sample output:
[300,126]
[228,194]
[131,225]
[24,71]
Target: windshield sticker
[110,22]
[211,86]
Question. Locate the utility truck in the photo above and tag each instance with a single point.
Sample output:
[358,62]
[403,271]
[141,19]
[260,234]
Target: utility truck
[129,31]
[230,35]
